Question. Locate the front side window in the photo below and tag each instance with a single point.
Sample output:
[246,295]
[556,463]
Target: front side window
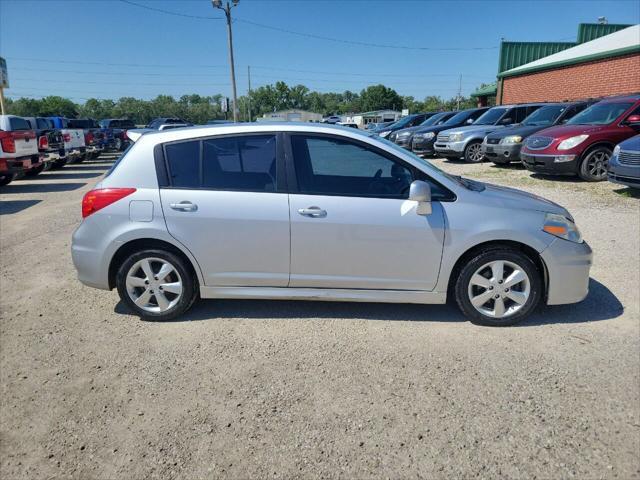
[331,166]
[545,115]
[491,116]
[242,163]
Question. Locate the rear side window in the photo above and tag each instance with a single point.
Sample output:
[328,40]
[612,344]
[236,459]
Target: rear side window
[16,123]
[242,163]
[184,164]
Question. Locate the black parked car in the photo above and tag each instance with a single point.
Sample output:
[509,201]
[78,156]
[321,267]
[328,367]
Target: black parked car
[503,146]
[423,138]
[404,122]
[404,136]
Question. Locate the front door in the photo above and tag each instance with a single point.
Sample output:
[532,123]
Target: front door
[224,202]
[351,225]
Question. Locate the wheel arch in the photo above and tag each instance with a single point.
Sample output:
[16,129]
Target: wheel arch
[528,250]
[138,244]
[596,144]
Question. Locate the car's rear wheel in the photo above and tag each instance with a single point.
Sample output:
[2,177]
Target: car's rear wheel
[6,179]
[498,287]
[156,284]
[473,152]
[593,167]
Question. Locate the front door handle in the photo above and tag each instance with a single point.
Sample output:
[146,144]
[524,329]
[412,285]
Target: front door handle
[313,212]
[184,206]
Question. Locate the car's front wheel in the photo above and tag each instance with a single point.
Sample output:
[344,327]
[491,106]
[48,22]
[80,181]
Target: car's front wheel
[594,165]
[498,287]
[156,284]
[473,152]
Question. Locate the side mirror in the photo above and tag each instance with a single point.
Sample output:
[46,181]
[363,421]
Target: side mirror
[633,120]
[420,192]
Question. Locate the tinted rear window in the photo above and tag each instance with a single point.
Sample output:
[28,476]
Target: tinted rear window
[43,123]
[16,123]
[184,164]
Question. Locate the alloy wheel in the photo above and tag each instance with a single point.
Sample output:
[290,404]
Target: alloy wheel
[499,289]
[597,163]
[474,152]
[154,285]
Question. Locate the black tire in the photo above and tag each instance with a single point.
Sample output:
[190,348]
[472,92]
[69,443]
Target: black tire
[6,179]
[32,172]
[593,167]
[58,164]
[473,152]
[189,284]
[484,257]
[118,145]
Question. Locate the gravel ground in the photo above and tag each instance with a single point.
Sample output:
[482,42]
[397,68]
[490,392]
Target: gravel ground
[278,389]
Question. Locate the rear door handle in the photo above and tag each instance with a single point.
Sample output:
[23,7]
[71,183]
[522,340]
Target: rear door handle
[184,206]
[313,212]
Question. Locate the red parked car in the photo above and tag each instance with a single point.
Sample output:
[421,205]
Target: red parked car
[584,144]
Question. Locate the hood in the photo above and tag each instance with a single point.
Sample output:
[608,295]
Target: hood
[562,131]
[522,130]
[433,128]
[632,144]
[474,128]
[513,198]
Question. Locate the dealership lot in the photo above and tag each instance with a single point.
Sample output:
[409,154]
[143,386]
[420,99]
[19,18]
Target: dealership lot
[283,389]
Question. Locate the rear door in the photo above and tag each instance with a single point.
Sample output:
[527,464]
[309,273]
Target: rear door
[224,198]
[24,137]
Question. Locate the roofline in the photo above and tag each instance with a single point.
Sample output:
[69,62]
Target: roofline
[572,61]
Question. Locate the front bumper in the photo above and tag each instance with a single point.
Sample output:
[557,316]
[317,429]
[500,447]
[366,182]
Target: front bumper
[450,149]
[404,142]
[422,146]
[568,266]
[547,164]
[498,153]
[628,175]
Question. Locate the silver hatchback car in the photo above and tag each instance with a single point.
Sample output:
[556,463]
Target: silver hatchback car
[318,212]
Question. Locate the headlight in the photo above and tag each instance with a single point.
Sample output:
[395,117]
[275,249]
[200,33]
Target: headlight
[456,137]
[569,143]
[616,150]
[404,134]
[562,227]
[512,139]
[425,136]
[384,134]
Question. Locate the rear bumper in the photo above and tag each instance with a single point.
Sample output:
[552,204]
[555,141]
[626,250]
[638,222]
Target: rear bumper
[498,153]
[568,266]
[16,165]
[550,164]
[53,155]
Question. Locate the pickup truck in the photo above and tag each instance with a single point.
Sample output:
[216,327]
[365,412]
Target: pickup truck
[18,148]
[118,127]
[94,138]
[74,145]
[50,142]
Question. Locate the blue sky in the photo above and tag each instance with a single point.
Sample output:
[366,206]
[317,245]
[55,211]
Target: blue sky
[109,49]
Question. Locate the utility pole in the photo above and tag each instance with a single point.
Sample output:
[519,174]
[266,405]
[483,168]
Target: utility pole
[459,91]
[249,96]
[227,12]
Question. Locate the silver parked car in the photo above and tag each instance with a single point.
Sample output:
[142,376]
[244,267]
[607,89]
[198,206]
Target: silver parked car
[318,212]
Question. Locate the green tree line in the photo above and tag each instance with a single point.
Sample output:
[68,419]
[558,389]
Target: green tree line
[265,99]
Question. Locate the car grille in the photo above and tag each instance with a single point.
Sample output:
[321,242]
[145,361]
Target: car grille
[629,158]
[493,141]
[443,137]
[538,143]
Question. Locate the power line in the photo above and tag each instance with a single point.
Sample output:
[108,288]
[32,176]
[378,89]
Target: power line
[314,36]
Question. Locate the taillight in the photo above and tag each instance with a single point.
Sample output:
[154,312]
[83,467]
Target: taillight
[43,143]
[98,199]
[66,137]
[124,134]
[8,143]
[88,138]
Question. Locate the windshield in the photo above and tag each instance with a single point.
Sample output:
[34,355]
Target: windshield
[490,117]
[458,118]
[433,119]
[403,122]
[600,114]
[545,115]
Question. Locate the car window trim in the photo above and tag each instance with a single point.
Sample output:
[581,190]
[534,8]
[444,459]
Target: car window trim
[416,173]
[163,168]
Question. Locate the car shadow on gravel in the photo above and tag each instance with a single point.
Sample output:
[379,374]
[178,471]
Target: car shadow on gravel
[558,178]
[8,207]
[601,304]
[18,187]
